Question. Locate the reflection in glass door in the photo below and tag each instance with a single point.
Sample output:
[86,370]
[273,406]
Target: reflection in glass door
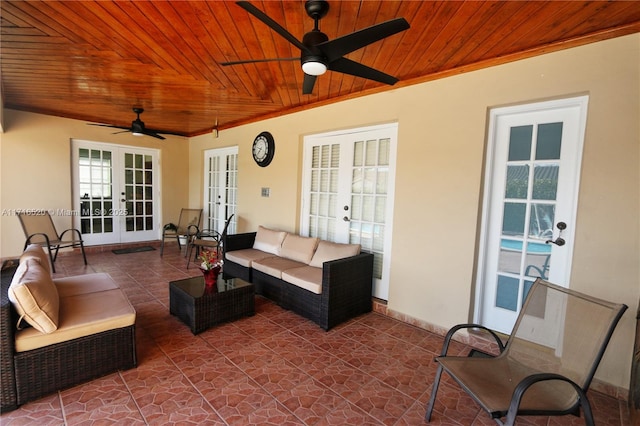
[114,193]
[530,204]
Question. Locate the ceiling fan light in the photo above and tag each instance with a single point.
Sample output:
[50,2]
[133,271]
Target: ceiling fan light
[314,68]
[135,133]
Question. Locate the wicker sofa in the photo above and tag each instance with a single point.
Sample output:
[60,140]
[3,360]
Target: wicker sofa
[58,333]
[326,282]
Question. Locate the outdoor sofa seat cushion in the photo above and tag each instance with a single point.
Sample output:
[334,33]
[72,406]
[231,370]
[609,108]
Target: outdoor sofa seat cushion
[306,277]
[82,314]
[275,265]
[246,257]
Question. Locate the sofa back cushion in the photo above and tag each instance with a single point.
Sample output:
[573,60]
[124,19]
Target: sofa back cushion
[269,240]
[35,251]
[300,249]
[327,251]
[35,296]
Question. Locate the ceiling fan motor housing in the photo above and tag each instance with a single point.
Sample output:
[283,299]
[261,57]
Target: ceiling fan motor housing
[311,39]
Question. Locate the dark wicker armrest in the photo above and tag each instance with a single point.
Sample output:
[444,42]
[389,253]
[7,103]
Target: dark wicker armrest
[239,241]
[8,318]
[347,287]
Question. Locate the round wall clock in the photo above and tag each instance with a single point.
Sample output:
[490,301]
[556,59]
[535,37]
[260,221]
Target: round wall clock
[263,149]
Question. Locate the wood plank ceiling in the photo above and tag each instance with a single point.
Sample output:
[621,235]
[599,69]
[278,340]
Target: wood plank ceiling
[95,60]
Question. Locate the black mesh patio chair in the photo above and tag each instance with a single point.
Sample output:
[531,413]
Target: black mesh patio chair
[548,362]
[207,239]
[188,226]
[39,229]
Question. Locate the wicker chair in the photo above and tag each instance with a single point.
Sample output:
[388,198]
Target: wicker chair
[548,362]
[39,229]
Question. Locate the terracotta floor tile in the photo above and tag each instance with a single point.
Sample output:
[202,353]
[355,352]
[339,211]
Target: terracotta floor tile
[274,368]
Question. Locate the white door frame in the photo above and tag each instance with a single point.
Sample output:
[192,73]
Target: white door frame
[389,130]
[572,158]
[118,210]
[227,200]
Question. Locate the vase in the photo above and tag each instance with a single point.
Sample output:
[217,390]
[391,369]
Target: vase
[211,276]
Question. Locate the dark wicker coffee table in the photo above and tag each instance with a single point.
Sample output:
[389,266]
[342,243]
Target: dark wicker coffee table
[200,307]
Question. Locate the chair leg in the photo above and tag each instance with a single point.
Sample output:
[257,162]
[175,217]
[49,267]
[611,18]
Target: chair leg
[84,256]
[432,400]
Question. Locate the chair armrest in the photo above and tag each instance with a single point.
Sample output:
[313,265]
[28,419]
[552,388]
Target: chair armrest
[238,241]
[528,381]
[456,328]
[8,320]
[77,233]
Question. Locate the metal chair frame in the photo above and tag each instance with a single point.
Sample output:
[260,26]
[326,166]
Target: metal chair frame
[40,229]
[529,377]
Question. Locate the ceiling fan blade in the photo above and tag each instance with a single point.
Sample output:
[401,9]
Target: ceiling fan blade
[153,134]
[108,125]
[308,83]
[251,61]
[272,24]
[336,48]
[122,131]
[347,66]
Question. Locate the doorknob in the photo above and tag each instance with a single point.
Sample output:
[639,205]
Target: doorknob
[346,219]
[559,241]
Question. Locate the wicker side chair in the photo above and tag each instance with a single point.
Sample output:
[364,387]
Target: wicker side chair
[188,226]
[549,360]
[39,229]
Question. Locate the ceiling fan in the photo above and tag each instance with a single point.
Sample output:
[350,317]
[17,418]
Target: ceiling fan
[319,54]
[137,127]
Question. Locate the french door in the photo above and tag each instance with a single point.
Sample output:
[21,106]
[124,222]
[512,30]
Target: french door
[348,183]
[220,188]
[115,192]
[531,191]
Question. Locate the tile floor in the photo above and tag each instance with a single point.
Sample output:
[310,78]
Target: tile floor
[274,368]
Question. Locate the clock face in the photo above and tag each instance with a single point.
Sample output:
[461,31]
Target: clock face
[263,149]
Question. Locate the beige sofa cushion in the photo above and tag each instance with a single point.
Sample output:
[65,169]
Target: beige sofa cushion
[82,315]
[35,251]
[35,296]
[82,284]
[299,248]
[245,257]
[307,277]
[275,265]
[269,240]
[327,251]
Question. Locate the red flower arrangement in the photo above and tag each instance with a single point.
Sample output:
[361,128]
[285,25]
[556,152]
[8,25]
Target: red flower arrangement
[209,260]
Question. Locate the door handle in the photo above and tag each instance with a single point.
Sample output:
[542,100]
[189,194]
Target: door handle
[123,200]
[559,241]
[346,219]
